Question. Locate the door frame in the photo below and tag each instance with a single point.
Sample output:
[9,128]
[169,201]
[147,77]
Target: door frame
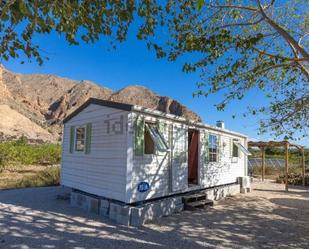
[198,156]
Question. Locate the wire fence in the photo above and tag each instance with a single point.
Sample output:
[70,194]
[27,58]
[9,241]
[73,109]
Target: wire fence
[273,162]
[273,166]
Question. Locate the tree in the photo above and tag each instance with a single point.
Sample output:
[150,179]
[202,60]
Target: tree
[242,45]
[87,21]
[247,46]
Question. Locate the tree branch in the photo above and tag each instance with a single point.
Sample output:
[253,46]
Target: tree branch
[234,7]
[262,52]
[283,32]
[275,66]
[299,104]
[242,24]
[299,41]
[299,63]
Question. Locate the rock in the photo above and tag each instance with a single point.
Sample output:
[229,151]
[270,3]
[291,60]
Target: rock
[44,100]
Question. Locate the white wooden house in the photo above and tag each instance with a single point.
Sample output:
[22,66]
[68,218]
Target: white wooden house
[132,154]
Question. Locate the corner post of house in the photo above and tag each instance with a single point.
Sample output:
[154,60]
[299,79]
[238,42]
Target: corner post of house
[286,165]
[263,162]
[303,164]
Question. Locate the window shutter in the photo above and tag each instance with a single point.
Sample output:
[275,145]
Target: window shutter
[206,147]
[231,148]
[162,128]
[72,134]
[219,146]
[239,152]
[88,138]
[139,136]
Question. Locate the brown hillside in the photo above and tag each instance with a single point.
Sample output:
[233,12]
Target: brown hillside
[47,99]
[73,98]
[142,96]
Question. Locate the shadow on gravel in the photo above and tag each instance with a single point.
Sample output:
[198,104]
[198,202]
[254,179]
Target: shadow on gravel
[34,218]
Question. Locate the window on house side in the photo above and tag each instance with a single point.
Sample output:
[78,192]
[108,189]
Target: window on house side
[154,140]
[149,147]
[235,151]
[242,148]
[80,138]
[213,148]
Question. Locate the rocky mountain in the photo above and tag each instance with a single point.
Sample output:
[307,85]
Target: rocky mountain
[34,105]
[142,96]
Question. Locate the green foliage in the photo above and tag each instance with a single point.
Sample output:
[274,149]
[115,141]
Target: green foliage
[21,153]
[48,177]
[279,153]
[293,179]
[77,21]
[295,169]
[240,46]
[269,171]
[200,4]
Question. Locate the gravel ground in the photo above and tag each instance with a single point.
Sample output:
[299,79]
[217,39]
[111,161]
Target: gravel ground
[268,217]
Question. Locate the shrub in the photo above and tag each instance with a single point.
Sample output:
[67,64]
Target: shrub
[21,153]
[48,177]
[3,160]
[293,179]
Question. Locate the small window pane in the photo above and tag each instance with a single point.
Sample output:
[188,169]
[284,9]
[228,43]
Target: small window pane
[80,139]
[242,148]
[157,138]
[235,149]
[149,144]
[213,148]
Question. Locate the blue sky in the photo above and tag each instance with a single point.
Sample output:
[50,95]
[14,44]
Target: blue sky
[131,63]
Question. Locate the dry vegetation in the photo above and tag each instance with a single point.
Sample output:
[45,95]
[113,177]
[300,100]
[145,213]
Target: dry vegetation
[30,176]
[276,172]
[26,165]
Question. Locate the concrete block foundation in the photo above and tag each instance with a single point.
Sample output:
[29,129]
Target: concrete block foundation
[154,210]
[221,192]
[86,202]
[104,208]
[131,215]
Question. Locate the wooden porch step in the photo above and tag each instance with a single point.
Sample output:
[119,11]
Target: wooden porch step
[194,198]
[198,204]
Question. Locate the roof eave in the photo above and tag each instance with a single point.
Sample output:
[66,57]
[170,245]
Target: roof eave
[183,120]
[107,103]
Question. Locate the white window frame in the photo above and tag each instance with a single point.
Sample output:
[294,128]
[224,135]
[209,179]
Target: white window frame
[158,139]
[154,146]
[234,159]
[242,148]
[211,148]
[75,138]
[234,141]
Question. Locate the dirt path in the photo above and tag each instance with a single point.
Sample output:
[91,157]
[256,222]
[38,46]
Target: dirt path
[266,218]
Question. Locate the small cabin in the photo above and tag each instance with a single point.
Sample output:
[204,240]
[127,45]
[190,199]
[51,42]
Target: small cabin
[132,154]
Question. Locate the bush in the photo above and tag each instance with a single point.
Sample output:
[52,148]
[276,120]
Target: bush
[48,177]
[21,153]
[293,179]
[269,170]
[3,160]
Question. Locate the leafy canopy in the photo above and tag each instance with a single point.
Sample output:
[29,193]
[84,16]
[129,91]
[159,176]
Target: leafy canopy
[240,45]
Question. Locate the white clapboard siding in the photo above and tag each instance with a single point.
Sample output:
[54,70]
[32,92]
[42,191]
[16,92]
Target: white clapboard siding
[226,170]
[153,169]
[179,157]
[112,170]
[103,171]
[162,177]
